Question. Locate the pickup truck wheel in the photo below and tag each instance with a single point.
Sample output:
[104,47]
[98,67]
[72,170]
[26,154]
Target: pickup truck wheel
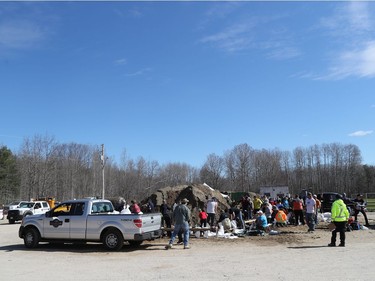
[12,221]
[31,238]
[113,239]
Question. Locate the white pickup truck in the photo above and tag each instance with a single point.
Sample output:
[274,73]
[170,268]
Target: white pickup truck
[89,220]
[26,208]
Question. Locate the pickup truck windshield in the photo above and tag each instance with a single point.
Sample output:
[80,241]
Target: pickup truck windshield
[26,205]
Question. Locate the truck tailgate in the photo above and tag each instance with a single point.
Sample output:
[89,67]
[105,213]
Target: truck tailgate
[150,222]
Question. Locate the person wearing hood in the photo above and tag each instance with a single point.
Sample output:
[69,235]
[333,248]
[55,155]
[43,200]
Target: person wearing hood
[339,216]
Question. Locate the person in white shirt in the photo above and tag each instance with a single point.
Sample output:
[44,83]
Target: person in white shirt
[310,212]
[211,211]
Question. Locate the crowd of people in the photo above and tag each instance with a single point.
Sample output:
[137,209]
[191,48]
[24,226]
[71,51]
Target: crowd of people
[281,211]
[134,208]
[296,211]
[260,213]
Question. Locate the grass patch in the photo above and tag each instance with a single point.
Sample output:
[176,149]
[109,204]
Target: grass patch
[371,204]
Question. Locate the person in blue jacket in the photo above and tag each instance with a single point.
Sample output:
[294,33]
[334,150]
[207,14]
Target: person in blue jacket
[261,221]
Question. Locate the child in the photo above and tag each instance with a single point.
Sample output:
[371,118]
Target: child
[203,217]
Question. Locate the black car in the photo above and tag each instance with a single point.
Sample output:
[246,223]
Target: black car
[328,198]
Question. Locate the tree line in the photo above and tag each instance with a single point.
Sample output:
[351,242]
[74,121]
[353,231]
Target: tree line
[44,167]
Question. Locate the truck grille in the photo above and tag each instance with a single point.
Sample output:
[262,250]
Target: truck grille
[14,213]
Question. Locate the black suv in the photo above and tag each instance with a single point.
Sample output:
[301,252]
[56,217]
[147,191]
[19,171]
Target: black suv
[328,198]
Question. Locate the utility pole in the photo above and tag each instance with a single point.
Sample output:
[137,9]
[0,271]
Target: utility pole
[103,164]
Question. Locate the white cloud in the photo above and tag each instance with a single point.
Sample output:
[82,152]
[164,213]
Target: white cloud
[358,14]
[360,133]
[223,9]
[139,72]
[20,34]
[254,33]
[233,38]
[218,12]
[352,28]
[349,20]
[359,63]
[286,52]
[121,61]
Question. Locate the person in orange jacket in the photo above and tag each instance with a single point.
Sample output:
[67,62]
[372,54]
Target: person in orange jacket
[281,218]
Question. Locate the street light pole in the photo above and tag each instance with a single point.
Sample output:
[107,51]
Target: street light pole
[103,163]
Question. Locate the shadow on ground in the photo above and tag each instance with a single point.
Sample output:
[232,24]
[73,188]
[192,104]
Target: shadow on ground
[80,248]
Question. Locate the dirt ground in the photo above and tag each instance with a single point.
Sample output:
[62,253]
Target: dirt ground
[294,254]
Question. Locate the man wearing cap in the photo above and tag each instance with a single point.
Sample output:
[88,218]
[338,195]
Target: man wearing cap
[181,215]
[261,221]
[339,216]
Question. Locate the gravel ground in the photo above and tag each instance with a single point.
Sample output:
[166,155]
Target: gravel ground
[294,254]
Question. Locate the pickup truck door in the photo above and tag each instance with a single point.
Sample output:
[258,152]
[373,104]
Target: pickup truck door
[78,221]
[66,221]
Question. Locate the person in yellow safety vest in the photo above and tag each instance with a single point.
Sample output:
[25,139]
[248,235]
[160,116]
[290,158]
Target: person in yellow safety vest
[257,202]
[339,216]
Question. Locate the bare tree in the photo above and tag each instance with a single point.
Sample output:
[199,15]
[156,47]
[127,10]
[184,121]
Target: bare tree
[239,165]
[176,173]
[212,171]
[72,170]
[37,162]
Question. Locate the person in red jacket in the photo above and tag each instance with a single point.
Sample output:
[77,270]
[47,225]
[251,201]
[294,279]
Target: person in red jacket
[134,207]
[298,210]
[203,217]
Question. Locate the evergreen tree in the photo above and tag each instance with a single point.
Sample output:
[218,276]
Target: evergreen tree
[9,176]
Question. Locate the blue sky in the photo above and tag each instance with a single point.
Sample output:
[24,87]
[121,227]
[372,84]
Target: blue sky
[175,82]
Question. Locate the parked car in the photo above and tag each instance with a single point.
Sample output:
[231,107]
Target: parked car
[328,198]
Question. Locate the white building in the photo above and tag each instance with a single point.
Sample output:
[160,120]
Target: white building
[274,191]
